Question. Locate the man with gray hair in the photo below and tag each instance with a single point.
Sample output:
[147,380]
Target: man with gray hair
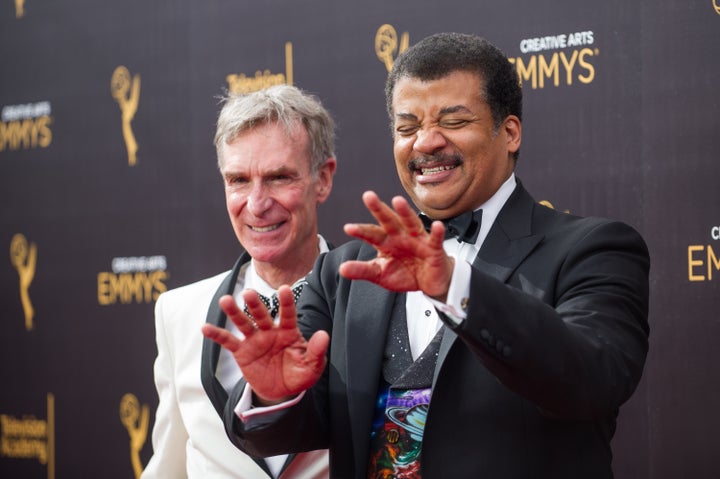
[275,151]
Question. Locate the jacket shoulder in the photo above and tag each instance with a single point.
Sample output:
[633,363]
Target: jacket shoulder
[202,290]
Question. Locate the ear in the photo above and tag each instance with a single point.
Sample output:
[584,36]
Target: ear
[513,133]
[323,184]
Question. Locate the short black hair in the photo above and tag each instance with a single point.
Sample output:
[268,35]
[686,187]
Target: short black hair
[443,53]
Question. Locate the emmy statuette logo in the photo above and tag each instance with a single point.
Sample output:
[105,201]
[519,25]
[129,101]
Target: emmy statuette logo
[19,8]
[24,258]
[126,92]
[386,44]
[136,422]
[716,4]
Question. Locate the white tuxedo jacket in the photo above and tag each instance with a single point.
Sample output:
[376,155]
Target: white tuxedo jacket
[188,438]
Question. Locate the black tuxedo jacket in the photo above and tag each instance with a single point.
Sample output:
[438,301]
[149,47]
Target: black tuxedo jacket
[528,386]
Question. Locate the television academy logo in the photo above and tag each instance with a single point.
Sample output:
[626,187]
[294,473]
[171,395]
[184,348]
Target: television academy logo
[27,437]
[241,83]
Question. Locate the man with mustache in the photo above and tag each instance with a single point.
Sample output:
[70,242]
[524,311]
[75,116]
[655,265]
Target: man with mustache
[504,350]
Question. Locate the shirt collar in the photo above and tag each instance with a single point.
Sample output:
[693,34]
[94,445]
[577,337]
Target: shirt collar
[491,208]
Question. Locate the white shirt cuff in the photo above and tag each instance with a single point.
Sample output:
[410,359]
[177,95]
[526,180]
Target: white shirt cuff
[458,293]
[246,412]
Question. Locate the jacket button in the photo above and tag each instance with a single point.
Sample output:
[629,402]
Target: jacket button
[485,334]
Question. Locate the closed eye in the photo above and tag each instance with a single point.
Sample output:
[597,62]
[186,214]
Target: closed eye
[454,123]
[406,130]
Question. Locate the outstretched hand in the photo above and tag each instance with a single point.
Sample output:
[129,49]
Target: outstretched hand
[275,359]
[409,258]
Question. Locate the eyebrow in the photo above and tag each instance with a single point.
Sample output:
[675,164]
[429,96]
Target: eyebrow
[455,109]
[279,171]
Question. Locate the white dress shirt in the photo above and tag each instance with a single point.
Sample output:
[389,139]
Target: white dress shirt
[423,320]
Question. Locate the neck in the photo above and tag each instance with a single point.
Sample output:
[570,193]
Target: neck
[290,269]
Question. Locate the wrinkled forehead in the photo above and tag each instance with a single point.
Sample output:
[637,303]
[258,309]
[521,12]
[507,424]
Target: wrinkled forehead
[456,92]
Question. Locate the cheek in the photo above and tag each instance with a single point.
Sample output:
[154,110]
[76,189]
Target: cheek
[402,156]
[402,147]
[234,202]
[296,200]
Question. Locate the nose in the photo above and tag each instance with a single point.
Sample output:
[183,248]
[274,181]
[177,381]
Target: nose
[429,140]
[259,200]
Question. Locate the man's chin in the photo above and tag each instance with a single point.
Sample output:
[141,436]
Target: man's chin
[267,253]
[433,203]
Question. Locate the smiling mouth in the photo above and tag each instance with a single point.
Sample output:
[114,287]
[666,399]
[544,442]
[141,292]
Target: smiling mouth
[265,229]
[435,169]
[434,164]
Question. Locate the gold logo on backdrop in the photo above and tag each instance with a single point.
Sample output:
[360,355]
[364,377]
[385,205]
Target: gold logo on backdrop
[702,259]
[557,60]
[716,4]
[139,279]
[19,8]
[263,79]
[30,438]
[24,258]
[386,44]
[127,94]
[26,126]
[136,422]
[550,205]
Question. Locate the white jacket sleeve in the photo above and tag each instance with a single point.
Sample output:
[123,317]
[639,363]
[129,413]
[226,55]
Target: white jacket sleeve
[169,436]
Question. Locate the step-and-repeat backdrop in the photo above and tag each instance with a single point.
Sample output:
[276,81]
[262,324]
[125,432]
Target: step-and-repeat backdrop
[109,192]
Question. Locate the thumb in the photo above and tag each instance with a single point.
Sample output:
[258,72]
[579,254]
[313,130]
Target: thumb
[316,349]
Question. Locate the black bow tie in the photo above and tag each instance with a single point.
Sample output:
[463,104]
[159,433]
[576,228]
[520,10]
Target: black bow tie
[272,303]
[465,227]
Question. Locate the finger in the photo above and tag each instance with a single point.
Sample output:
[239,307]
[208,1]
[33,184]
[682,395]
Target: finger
[437,235]
[235,314]
[317,349]
[287,313]
[367,270]
[221,336]
[371,234]
[408,218]
[260,315]
[385,216]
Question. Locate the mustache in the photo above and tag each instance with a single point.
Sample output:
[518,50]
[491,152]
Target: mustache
[423,160]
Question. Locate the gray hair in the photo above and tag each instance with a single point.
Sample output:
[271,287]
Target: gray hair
[286,105]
